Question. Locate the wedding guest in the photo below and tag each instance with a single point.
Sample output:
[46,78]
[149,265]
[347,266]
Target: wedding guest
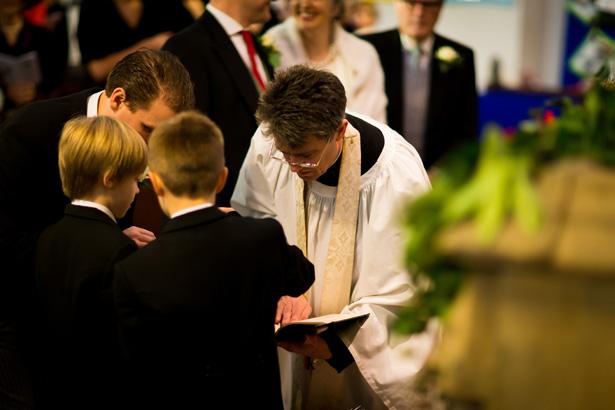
[229,69]
[46,51]
[143,89]
[314,36]
[128,25]
[362,16]
[196,307]
[430,82]
[45,13]
[337,182]
[101,160]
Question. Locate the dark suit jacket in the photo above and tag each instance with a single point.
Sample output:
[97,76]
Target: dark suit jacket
[74,266]
[223,87]
[452,114]
[31,196]
[196,309]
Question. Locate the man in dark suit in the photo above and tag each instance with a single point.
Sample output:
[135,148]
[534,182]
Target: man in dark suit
[429,80]
[197,306]
[216,55]
[143,89]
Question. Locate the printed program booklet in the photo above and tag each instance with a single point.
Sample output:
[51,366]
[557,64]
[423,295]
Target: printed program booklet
[21,69]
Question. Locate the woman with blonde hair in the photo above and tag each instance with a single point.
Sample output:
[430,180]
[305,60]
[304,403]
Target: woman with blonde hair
[313,35]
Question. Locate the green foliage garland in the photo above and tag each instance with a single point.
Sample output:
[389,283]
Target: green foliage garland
[491,183]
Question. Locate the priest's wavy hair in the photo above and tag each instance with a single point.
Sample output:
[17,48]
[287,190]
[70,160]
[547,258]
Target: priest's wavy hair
[90,147]
[187,153]
[147,74]
[299,103]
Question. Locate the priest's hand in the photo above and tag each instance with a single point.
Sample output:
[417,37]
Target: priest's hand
[141,236]
[313,346]
[292,309]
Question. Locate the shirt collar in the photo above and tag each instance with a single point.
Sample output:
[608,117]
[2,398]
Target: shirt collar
[191,209]
[92,110]
[90,204]
[410,44]
[229,24]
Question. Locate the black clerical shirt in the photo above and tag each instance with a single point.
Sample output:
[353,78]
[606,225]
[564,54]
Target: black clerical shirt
[372,143]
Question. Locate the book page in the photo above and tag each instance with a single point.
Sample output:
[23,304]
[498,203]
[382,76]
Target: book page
[326,319]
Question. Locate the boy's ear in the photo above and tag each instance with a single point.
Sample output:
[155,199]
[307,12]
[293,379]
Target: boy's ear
[157,183]
[107,180]
[222,180]
[118,97]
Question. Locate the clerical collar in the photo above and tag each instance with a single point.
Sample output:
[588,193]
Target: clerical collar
[372,143]
[410,44]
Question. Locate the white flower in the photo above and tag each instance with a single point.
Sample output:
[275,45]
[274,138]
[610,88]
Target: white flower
[143,176]
[448,57]
[447,54]
[267,40]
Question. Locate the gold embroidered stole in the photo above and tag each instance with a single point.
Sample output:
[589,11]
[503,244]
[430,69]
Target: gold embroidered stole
[340,255]
[300,196]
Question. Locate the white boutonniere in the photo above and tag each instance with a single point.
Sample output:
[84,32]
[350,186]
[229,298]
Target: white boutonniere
[448,58]
[143,179]
[273,55]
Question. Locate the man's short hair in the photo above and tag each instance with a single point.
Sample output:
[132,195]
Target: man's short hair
[301,102]
[147,74]
[187,152]
[89,147]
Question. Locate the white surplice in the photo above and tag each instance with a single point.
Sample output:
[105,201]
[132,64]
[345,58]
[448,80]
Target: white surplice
[380,284]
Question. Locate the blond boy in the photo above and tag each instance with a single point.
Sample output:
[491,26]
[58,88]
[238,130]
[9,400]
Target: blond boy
[101,160]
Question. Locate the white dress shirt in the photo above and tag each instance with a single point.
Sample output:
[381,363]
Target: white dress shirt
[234,29]
[92,110]
[426,46]
[90,204]
[191,209]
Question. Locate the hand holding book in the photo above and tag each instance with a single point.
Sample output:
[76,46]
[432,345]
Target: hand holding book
[297,331]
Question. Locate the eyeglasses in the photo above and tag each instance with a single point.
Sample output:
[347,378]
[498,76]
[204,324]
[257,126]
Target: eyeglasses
[297,164]
[428,5]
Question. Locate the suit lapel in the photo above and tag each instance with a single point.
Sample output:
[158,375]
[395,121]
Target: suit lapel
[395,89]
[231,60]
[437,86]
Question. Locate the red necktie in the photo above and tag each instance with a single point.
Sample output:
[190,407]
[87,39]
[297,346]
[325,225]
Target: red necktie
[248,39]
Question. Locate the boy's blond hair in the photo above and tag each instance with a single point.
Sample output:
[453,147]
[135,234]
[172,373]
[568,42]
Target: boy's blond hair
[89,147]
[187,153]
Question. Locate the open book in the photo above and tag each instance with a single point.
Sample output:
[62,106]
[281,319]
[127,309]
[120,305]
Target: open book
[295,331]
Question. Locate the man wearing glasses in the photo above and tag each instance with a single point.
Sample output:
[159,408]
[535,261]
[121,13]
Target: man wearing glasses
[429,81]
[337,183]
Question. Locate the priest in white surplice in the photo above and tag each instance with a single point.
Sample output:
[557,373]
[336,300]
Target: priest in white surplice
[338,182]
